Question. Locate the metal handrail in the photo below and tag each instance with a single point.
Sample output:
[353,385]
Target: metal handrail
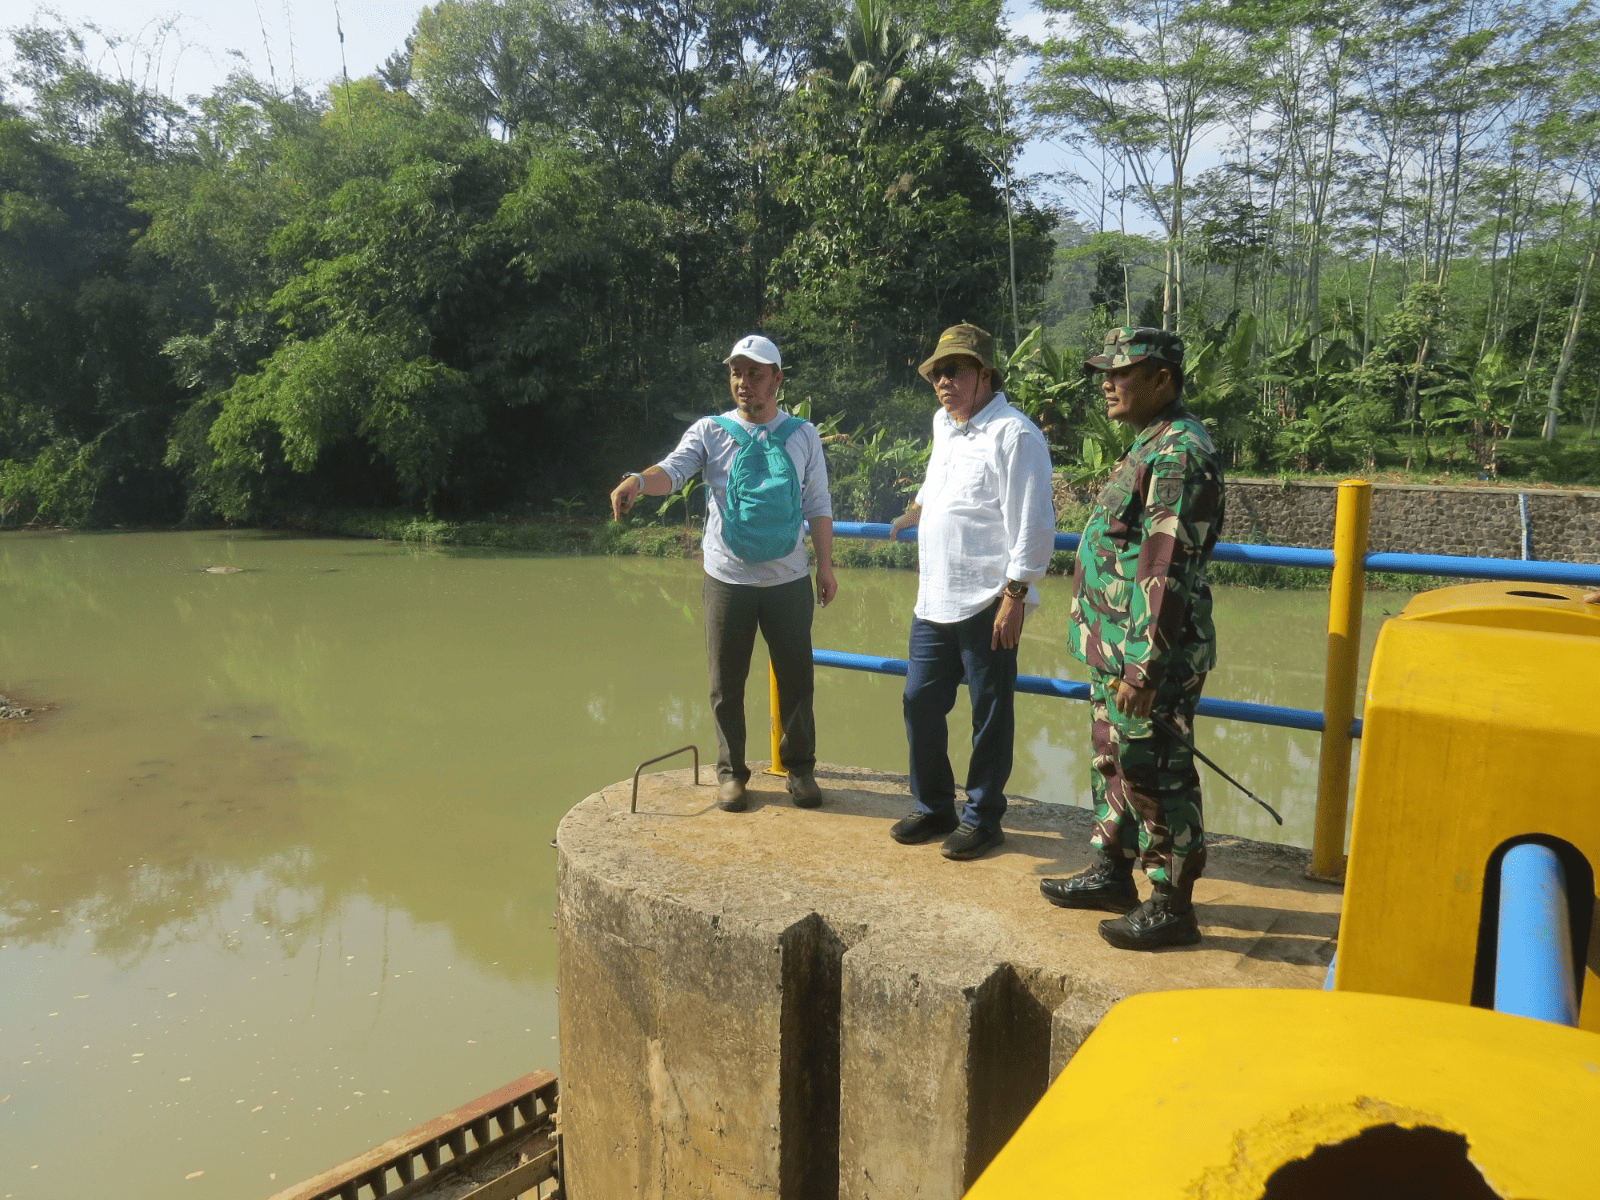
[1337,723]
[1451,566]
[1069,689]
[633,805]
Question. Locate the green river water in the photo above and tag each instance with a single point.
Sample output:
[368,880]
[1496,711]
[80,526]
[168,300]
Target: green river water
[275,877]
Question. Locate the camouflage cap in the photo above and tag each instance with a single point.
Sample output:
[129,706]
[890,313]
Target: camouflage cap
[1129,344]
[965,341]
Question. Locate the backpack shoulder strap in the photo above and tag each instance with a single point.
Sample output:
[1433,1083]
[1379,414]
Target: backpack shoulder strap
[782,432]
[740,437]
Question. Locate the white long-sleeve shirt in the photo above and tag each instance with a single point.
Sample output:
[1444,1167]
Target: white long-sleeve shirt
[988,513]
[708,448]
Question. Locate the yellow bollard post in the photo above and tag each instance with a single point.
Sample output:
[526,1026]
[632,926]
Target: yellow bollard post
[776,723]
[1345,593]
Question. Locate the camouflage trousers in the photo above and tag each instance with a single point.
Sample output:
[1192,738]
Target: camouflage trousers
[1146,789]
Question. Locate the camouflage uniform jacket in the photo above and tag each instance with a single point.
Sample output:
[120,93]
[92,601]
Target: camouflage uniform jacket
[1141,606]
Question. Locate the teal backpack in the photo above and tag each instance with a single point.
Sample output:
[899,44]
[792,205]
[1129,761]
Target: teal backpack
[761,519]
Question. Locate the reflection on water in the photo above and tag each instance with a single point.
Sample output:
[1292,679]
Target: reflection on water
[276,882]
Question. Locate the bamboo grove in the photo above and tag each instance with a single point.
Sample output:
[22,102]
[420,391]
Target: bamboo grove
[483,276]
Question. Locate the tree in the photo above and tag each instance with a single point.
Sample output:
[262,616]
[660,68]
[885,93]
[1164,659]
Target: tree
[899,225]
[84,397]
[1144,82]
[1572,133]
[503,64]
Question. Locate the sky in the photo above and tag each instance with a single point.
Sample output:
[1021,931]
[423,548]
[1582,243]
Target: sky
[189,48]
[293,42]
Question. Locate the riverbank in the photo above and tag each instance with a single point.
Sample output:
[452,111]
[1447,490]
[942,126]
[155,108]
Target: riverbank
[589,535]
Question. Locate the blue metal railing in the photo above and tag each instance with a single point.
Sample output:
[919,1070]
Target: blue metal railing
[1447,565]
[1533,972]
[1580,574]
[1067,689]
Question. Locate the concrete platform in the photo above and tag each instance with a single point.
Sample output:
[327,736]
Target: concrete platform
[786,1003]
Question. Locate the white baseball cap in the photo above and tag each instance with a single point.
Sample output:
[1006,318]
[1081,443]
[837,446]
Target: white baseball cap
[756,348]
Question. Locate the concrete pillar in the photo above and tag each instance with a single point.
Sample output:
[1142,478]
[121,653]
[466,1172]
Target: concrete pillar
[787,1004]
[941,1056]
[702,1056]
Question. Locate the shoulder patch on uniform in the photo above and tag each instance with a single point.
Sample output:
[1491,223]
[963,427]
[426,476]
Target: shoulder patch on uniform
[1168,485]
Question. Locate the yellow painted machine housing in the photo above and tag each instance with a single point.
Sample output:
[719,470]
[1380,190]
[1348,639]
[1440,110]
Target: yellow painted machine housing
[1482,725]
[1206,1093]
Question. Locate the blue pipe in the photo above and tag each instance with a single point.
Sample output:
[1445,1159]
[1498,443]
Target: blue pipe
[1533,975]
[1068,689]
[1449,565]
[1508,569]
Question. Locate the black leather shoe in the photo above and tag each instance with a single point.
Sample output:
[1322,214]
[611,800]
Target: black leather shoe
[969,841]
[803,790]
[1107,885]
[917,828]
[1152,925]
[730,795]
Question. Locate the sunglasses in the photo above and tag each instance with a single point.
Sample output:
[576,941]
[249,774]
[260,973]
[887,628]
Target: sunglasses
[946,371]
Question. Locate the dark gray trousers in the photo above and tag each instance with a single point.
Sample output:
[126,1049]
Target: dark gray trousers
[783,614]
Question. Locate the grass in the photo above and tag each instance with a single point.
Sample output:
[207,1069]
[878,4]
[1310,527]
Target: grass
[538,535]
[593,535]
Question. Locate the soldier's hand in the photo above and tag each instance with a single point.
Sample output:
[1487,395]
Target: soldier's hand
[1008,623]
[1135,702]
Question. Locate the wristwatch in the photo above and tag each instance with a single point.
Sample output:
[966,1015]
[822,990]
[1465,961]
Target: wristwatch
[1017,591]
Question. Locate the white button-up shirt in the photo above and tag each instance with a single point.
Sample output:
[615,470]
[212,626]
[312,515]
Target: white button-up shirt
[988,513]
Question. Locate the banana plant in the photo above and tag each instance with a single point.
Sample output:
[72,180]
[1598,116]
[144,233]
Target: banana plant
[1045,384]
[1310,439]
[681,496]
[1104,442]
[1487,394]
[1222,391]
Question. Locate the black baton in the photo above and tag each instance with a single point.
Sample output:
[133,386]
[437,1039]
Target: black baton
[1200,754]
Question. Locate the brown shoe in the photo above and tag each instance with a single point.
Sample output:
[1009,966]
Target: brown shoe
[730,795]
[803,790]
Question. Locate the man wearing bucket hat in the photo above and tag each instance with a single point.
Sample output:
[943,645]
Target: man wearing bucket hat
[1141,621]
[766,474]
[986,529]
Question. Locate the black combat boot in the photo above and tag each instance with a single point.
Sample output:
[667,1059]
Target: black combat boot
[1166,919]
[1107,885]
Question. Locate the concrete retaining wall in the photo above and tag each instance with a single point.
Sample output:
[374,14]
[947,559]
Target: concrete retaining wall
[783,1003]
[1414,519]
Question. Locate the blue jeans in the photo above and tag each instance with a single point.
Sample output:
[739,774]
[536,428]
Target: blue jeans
[940,659]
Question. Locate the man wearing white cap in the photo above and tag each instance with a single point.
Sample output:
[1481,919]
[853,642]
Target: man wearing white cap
[766,473]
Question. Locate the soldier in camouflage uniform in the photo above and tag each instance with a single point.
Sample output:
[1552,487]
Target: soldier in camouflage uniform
[1141,621]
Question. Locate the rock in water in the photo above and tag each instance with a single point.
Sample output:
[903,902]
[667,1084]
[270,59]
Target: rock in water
[222,570]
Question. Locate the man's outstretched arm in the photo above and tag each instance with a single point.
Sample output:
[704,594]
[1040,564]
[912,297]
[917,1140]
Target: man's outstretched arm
[652,481]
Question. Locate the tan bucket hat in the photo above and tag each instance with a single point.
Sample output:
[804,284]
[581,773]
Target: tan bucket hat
[965,341]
